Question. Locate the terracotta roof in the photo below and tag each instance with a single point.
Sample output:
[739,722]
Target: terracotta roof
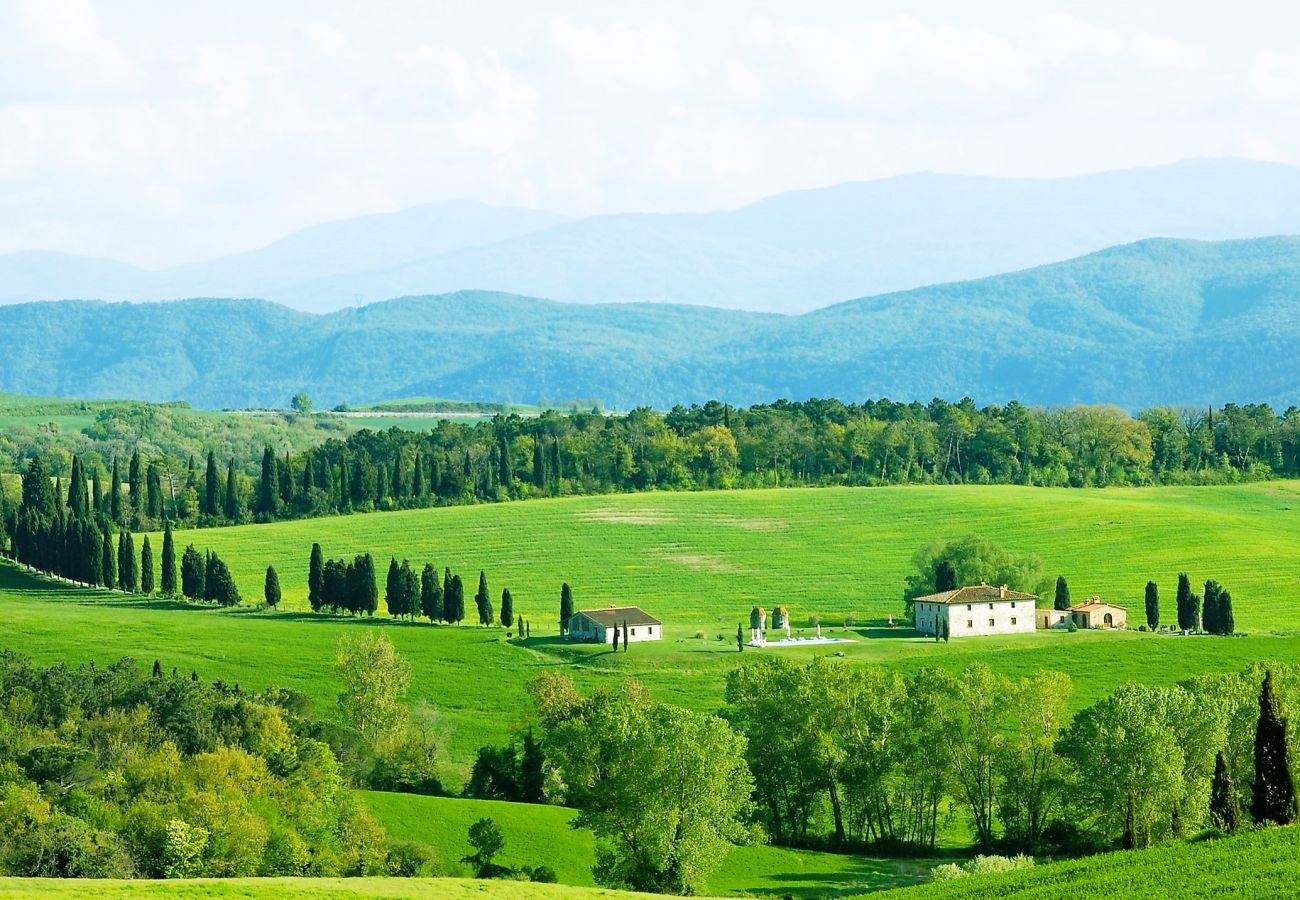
[1093,606]
[975,593]
[610,616]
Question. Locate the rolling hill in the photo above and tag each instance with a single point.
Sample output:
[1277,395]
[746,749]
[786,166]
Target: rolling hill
[1159,321]
[788,253]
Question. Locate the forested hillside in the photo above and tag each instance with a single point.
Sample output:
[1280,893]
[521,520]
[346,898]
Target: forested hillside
[1144,324]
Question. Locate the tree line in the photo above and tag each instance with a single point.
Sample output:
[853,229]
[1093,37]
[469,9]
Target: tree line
[712,445]
[857,756]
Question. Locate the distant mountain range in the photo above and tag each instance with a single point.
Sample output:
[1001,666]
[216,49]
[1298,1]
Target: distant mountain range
[789,253]
[1159,321]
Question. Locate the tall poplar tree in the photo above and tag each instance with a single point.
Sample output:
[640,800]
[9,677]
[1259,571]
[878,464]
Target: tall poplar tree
[168,561]
[146,567]
[1273,799]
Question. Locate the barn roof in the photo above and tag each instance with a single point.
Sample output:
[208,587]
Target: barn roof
[976,593]
[610,616]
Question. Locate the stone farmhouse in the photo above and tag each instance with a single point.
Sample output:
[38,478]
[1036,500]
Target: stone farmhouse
[597,625]
[975,610]
[1090,614]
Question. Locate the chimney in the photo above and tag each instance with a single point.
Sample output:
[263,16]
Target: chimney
[1002,591]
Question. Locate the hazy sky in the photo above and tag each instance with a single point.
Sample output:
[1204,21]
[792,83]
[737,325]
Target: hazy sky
[160,132]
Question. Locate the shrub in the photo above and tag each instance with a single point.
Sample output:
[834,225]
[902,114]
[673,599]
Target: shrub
[1072,627]
[700,636]
[1142,628]
[850,620]
[541,874]
[814,621]
[408,859]
[981,865]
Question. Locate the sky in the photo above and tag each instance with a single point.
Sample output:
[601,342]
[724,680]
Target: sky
[160,132]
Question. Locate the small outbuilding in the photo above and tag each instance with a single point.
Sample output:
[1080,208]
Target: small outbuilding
[1095,614]
[597,625]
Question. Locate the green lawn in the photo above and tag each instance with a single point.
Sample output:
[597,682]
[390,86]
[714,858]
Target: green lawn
[304,889]
[1255,866]
[542,835]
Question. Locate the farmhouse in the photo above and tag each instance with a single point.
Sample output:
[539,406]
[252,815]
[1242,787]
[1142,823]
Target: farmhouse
[597,625]
[1090,614]
[974,610]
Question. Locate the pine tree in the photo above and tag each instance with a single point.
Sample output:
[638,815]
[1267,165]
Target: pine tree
[269,486]
[146,567]
[393,589]
[430,593]
[211,494]
[109,569]
[1273,799]
[1153,605]
[1225,808]
[115,494]
[566,607]
[168,562]
[1062,593]
[231,506]
[271,588]
[507,608]
[315,578]
[1183,603]
[483,601]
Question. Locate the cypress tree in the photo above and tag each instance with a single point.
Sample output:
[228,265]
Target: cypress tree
[555,466]
[503,462]
[532,771]
[231,506]
[566,607]
[1183,603]
[507,608]
[168,562]
[96,492]
[430,593]
[135,476]
[126,573]
[447,611]
[1225,808]
[212,487]
[39,496]
[1153,605]
[269,487]
[154,500]
[76,491]
[1062,593]
[625,634]
[192,574]
[615,637]
[109,568]
[221,586]
[271,588]
[539,464]
[393,589]
[1227,621]
[94,554]
[316,578]
[1194,605]
[146,567]
[1273,798]
[456,600]
[369,589]
[286,479]
[115,494]
[417,477]
[409,583]
[1210,611]
[740,638]
[483,601]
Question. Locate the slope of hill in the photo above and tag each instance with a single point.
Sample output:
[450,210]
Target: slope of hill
[788,253]
[1260,865]
[1159,321]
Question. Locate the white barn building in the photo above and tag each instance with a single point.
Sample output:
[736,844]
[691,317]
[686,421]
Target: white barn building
[975,610]
[598,625]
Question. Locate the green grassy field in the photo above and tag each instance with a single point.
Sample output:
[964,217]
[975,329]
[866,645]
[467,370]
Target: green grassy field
[542,835]
[304,889]
[1255,866]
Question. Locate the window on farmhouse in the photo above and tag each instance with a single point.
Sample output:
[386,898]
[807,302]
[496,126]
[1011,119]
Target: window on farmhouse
[990,606]
[970,624]
[990,623]
[1013,620]
[967,607]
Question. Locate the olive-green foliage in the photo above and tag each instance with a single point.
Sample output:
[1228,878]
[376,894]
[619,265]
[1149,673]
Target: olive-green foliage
[974,559]
[110,772]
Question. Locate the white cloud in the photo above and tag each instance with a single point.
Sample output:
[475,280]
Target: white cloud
[644,55]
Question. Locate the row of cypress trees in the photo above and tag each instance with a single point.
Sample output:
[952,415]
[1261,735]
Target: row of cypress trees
[1273,794]
[335,585]
[1211,612]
